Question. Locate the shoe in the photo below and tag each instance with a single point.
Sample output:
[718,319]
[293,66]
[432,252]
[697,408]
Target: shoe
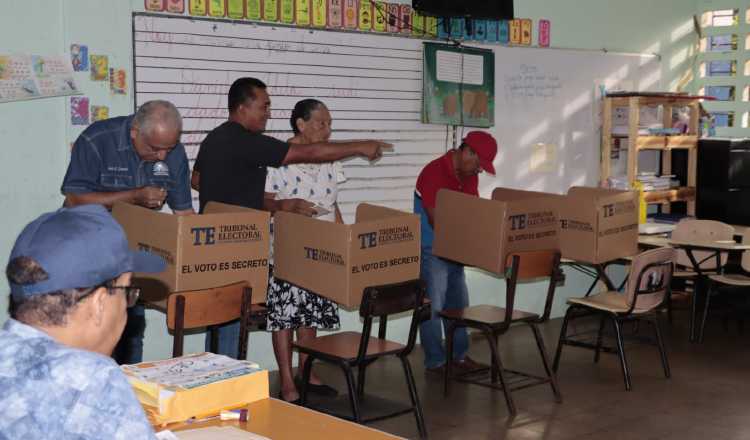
[468,365]
[315,388]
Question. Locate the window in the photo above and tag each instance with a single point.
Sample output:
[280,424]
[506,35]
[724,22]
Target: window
[722,17]
[746,94]
[719,43]
[721,93]
[723,119]
[718,68]
[744,119]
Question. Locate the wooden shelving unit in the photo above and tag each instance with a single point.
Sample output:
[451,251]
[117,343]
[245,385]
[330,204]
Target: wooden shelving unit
[665,144]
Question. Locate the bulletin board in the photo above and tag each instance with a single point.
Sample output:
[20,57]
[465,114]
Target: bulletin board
[458,85]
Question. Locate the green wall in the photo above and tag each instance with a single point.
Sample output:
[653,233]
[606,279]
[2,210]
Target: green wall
[36,134]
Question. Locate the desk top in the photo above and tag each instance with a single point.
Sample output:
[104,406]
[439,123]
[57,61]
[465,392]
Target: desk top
[279,420]
[722,245]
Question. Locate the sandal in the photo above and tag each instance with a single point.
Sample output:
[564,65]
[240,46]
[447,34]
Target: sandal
[319,389]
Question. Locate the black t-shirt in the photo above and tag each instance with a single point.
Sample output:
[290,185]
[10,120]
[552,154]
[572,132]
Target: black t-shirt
[232,164]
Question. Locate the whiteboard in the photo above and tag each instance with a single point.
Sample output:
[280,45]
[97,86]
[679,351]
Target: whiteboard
[552,97]
[372,85]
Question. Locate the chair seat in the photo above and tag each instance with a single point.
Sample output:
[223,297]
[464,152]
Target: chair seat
[486,314]
[732,279]
[614,302]
[344,345]
[684,274]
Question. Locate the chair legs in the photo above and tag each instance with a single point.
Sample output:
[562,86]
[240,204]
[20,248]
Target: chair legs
[662,350]
[561,340]
[545,360]
[621,353]
[599,338]
[353,396]
[414,396]
[448,367]
[307,369]
[501,372]
[702,327]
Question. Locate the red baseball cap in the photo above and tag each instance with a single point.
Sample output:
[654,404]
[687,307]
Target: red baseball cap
[485,146]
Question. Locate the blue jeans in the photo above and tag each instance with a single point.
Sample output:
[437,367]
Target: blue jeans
[129,349]
[229,339]
[446,288]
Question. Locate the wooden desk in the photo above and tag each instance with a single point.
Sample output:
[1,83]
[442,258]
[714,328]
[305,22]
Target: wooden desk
[279,420]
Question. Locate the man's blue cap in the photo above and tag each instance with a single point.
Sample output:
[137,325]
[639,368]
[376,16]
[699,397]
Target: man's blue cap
[78,247]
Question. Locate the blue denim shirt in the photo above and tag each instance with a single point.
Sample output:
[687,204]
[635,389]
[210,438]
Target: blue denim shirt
[52,391]
[104,160]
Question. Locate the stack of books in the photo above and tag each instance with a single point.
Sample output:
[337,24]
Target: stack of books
[652,182]
[195,386]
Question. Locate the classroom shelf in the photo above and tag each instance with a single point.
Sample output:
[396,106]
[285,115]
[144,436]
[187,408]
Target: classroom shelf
[663,143]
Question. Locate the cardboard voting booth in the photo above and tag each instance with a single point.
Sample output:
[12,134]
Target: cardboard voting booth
[481,232]
[225,245]
[339,261]
[598,224]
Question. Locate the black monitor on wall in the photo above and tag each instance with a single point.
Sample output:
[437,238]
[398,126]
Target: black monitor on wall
[489,9]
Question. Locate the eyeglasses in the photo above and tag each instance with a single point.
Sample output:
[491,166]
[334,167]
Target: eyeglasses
[131,293]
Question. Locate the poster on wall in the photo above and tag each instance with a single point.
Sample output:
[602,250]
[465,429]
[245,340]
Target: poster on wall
[458,86]
[99,68]
[270,10]
[79,57]
[25,77]
[176,6]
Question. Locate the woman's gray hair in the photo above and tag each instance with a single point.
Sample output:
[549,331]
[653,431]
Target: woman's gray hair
[157,113]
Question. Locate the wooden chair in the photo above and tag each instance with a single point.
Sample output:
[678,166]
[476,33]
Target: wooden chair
[351,350]
[493,321]
[709,262]
[647,288]
[736,280]
[210,308]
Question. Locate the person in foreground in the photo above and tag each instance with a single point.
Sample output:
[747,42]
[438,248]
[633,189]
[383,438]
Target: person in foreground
[456,170]
[136,159]
[291,307]
[232,163]
[69,275]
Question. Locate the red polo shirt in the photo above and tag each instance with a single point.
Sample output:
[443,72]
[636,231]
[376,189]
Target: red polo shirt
[439,174]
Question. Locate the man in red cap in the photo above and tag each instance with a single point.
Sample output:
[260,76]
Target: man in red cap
[456,170]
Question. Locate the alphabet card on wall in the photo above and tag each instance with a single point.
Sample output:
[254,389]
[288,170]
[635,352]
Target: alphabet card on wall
[217,8]
[365,15]
[319,13]
[303,12]
[198,7]
[334,13]
[176,6]
[270,10]
[236,9]
[351,14]
[287,11]
[154,5]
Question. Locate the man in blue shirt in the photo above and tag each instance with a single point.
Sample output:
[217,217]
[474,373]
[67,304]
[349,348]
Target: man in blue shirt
[135,159]
[69,274]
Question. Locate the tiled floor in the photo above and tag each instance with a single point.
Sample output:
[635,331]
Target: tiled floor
[708,396]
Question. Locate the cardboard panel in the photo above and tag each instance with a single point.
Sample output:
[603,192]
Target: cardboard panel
[153,232]
[367,212]
[383,252]
[312,254]
[203,251]
[219,249]
[598,224]
[469,230]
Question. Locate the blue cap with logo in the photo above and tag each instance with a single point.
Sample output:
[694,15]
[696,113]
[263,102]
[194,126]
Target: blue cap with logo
[78,247]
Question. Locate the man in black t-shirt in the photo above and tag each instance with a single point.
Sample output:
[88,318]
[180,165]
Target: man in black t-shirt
[232,160]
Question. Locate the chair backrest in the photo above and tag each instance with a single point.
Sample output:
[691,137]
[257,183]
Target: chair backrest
[531,265]
[649,279]
[702,230]
[208,307]
[389,299]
